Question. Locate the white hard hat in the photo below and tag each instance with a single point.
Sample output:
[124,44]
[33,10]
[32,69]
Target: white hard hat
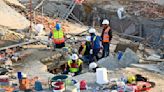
[105,21]
[92,65]
[24,75]
[88,38]
[92,30]
[74,57]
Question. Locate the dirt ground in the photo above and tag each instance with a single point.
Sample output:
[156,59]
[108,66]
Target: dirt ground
[29,66]
[152,76]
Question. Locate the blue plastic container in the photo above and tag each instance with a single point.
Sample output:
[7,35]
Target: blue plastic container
[19,75]
[119,55]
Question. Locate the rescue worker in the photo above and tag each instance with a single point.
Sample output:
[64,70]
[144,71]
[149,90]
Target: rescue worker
[74,65]
[95,44]
[84,49]
[25,84]
[58,36]
[106,37]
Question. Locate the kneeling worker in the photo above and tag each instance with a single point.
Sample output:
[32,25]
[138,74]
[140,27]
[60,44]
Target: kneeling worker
[84,49]
[74,65]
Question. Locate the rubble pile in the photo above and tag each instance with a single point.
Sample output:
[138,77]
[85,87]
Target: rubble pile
[112,62]
[46,21]
[10,35]
[10,18]
[15,3]
[146,9]
[161,66]
[67,27]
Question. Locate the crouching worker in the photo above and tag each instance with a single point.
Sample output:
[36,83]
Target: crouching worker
[84,50]
[74,65]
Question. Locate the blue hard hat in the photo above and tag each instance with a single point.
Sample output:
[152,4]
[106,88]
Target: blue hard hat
[58,26]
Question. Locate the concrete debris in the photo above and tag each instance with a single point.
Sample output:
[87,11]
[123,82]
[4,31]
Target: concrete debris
[149,67]
[129,57]
[15,3]
[153,57]
[66,26]
[11,18]
[122,46]
[10,35]
[146,9]
[161,66]
[110,63]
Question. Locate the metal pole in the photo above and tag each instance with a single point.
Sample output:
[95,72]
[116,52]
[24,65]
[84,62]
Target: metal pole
[42,14]
[30,17]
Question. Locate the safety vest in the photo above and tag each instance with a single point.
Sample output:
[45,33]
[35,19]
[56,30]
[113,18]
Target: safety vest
[83,44]
[73,69]
[94,38]
[106,35]
[58,36]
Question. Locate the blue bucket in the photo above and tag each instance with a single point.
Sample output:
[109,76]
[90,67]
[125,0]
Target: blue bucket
[119,55]
[19,75]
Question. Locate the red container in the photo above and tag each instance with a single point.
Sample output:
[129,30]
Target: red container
[83,85]
[59,85]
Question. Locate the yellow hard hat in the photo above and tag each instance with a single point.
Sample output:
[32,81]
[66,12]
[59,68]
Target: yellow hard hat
[131,79]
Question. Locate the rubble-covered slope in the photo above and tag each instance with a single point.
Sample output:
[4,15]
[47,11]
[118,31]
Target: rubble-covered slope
[10,18]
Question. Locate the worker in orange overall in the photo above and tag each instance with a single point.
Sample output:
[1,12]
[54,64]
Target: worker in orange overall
[25,84]
[106,37]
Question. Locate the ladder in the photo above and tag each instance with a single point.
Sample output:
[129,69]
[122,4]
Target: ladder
[69,10]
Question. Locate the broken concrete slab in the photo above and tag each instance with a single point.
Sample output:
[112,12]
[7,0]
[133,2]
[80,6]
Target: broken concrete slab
[11,18]
[149,67]
[129,57]
[161,66]
[15,3]
[122,47]
[109,62]
[131,29]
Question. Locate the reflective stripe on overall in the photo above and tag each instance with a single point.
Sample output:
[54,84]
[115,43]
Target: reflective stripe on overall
[74,69]
[58,36]
[106,35]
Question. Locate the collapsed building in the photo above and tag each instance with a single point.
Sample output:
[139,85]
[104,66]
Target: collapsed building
[143,25]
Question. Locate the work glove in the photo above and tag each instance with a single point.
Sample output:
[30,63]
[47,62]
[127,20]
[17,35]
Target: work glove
[80,56]
[71,74]
[91,51]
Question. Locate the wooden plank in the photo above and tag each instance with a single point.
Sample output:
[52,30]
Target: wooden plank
[20,44]
[155,60]
[134,37]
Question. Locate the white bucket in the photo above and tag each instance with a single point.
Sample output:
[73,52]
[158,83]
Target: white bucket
[101,76]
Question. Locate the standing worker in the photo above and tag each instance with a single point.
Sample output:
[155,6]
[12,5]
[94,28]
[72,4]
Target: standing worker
[106,37]
[74,65]
[95,44]
[58,36]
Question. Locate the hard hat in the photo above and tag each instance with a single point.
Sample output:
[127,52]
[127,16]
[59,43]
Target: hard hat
[58,26]
[88,38]
[74,57]
[24,75]
[131,79]
[92,30]
[92,65]
[105,21]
